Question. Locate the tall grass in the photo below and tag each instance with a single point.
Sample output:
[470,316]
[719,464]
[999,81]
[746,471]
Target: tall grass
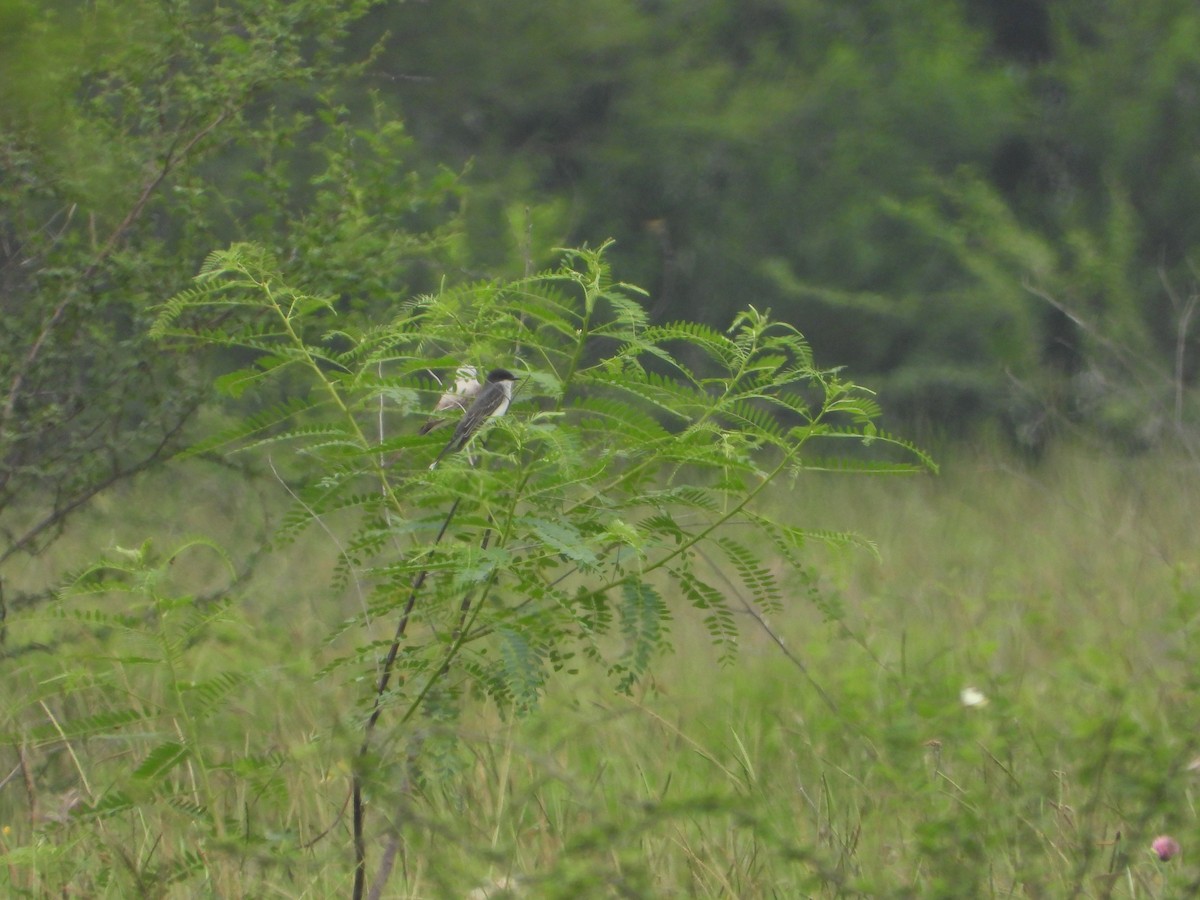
[1066,595]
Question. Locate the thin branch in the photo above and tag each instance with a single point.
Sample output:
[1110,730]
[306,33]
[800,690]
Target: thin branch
[385,677]
[171,161]
[1184,310]
[386,864]
[30,787]
[11,255]
[59,513]
[758,617]
[316,517]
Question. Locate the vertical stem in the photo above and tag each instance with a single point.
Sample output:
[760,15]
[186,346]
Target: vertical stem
[358,817]
[1180,350]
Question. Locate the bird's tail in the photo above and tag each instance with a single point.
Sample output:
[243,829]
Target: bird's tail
[437,459]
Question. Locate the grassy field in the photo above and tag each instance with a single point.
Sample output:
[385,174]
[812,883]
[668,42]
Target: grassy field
[1004,704]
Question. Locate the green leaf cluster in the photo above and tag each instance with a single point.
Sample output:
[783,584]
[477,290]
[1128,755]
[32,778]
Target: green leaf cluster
[576,524]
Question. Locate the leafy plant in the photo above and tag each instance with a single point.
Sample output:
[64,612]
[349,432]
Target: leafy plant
[143,669]
[573,526]
[134,137]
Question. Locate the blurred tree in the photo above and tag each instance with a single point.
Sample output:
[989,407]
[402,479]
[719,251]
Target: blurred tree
[814,157]
[737,150]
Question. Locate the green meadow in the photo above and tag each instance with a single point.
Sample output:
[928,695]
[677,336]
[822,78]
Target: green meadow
[690,620]
[1002,703]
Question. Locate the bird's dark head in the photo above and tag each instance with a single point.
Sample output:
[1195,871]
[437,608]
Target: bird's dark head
[498,375]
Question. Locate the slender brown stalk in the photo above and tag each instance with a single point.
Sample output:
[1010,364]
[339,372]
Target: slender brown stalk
[358,814]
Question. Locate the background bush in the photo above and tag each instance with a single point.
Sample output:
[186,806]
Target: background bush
[894,178]
[983,209]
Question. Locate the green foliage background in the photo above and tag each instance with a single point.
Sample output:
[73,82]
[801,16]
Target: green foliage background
[982,209]
[894,177]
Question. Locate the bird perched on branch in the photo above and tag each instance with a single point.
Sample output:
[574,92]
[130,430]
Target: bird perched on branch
[458,396]
[492,400]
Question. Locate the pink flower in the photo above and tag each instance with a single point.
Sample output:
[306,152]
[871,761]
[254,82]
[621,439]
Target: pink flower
[1165,846]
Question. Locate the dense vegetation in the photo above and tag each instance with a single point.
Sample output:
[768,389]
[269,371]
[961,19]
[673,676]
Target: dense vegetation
[983,210]
[963,200]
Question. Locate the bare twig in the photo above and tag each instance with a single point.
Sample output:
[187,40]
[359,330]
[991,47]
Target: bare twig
[1134,364]
[12,254]
[316,517]
[386,864]
[758,617]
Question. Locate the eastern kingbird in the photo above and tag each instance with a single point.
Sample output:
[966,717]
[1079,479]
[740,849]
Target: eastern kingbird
[457,396]
[492,400]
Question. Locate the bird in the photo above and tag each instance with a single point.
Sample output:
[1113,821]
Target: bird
[492,400]
[466,386]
